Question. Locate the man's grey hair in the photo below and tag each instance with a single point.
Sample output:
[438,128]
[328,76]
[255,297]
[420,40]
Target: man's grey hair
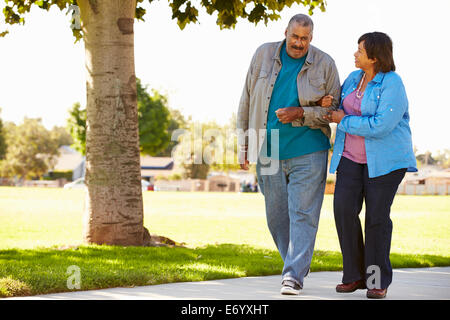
[303,20]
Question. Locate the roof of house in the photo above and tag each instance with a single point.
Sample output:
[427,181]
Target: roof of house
[156,163]
[68,159]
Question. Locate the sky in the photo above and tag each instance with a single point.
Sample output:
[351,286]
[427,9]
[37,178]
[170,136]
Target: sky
[202,68]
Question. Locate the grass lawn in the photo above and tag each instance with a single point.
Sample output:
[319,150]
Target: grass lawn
[225,235]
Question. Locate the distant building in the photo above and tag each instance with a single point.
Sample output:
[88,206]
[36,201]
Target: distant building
[151,167]
[216,183]
[70,160]
[223,183]
[428,181]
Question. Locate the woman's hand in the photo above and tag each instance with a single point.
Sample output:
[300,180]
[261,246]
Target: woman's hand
[334,116]
[325,101]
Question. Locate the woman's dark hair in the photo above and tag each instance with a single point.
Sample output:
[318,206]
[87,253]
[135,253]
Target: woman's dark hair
[378,46]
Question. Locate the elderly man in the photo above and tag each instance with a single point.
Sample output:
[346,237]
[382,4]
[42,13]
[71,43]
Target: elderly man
[281,128]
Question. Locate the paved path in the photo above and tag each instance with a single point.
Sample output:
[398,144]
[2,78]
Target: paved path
[408,284]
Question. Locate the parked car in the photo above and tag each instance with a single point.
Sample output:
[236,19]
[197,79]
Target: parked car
[79,183]
[147,186]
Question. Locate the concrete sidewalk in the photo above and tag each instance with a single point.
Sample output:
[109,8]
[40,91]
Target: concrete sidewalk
[408,284]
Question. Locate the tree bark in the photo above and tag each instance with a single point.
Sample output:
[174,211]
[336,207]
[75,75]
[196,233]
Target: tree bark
[113,208]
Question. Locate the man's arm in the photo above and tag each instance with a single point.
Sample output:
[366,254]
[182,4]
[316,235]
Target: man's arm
[313,115]
[243,118]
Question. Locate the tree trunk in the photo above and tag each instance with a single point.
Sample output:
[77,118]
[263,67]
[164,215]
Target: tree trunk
[113,207]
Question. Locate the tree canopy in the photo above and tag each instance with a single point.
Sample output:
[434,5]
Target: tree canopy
[183,11]
[31,150]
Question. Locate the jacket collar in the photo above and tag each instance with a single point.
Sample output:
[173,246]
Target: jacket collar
[378,77]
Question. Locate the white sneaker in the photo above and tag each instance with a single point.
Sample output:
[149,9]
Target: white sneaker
[290,287]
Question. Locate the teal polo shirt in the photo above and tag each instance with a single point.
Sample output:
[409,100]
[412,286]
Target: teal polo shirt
[293,141]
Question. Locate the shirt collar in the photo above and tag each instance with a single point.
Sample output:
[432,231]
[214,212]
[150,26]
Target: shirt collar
[378,77]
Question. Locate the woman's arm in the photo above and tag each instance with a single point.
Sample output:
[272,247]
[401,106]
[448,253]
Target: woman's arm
[392,106]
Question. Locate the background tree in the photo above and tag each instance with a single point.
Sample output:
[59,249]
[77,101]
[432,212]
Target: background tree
[443,158]
[155,122]
[176,121]
[31,150]
[206,146]
[189,151]
[229,144]
[2,140]
[61,136]
[76,125]
[426,158]
[114,207]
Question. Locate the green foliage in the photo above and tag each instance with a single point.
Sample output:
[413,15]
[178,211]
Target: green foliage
[15,11]
[230,148]
[61,136]
[154,120]
[439,158]
[443,158]
[176,121]
[76,124]
[10,287]
[426,158]
[54,175]
[31,150]
[188,154]
[229,11]
[44,270]
[183,11]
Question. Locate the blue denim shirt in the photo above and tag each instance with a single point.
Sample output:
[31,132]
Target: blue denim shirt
[384,124]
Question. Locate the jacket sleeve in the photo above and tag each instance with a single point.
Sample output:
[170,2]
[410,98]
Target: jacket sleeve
[392,106]
[242,118]
[313,115]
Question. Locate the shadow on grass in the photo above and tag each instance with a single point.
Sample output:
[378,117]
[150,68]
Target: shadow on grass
[44,270]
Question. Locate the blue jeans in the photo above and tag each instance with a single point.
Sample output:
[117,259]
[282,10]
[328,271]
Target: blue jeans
[293,190]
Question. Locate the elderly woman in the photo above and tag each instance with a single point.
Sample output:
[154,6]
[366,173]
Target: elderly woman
[372,152]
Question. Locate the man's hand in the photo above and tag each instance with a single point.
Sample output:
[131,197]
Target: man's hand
[289,114]
[243,150]
[334,116]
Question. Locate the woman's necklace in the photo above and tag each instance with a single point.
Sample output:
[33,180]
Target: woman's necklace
[359,94]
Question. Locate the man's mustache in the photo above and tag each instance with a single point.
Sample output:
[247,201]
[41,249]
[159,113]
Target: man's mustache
[297,48]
